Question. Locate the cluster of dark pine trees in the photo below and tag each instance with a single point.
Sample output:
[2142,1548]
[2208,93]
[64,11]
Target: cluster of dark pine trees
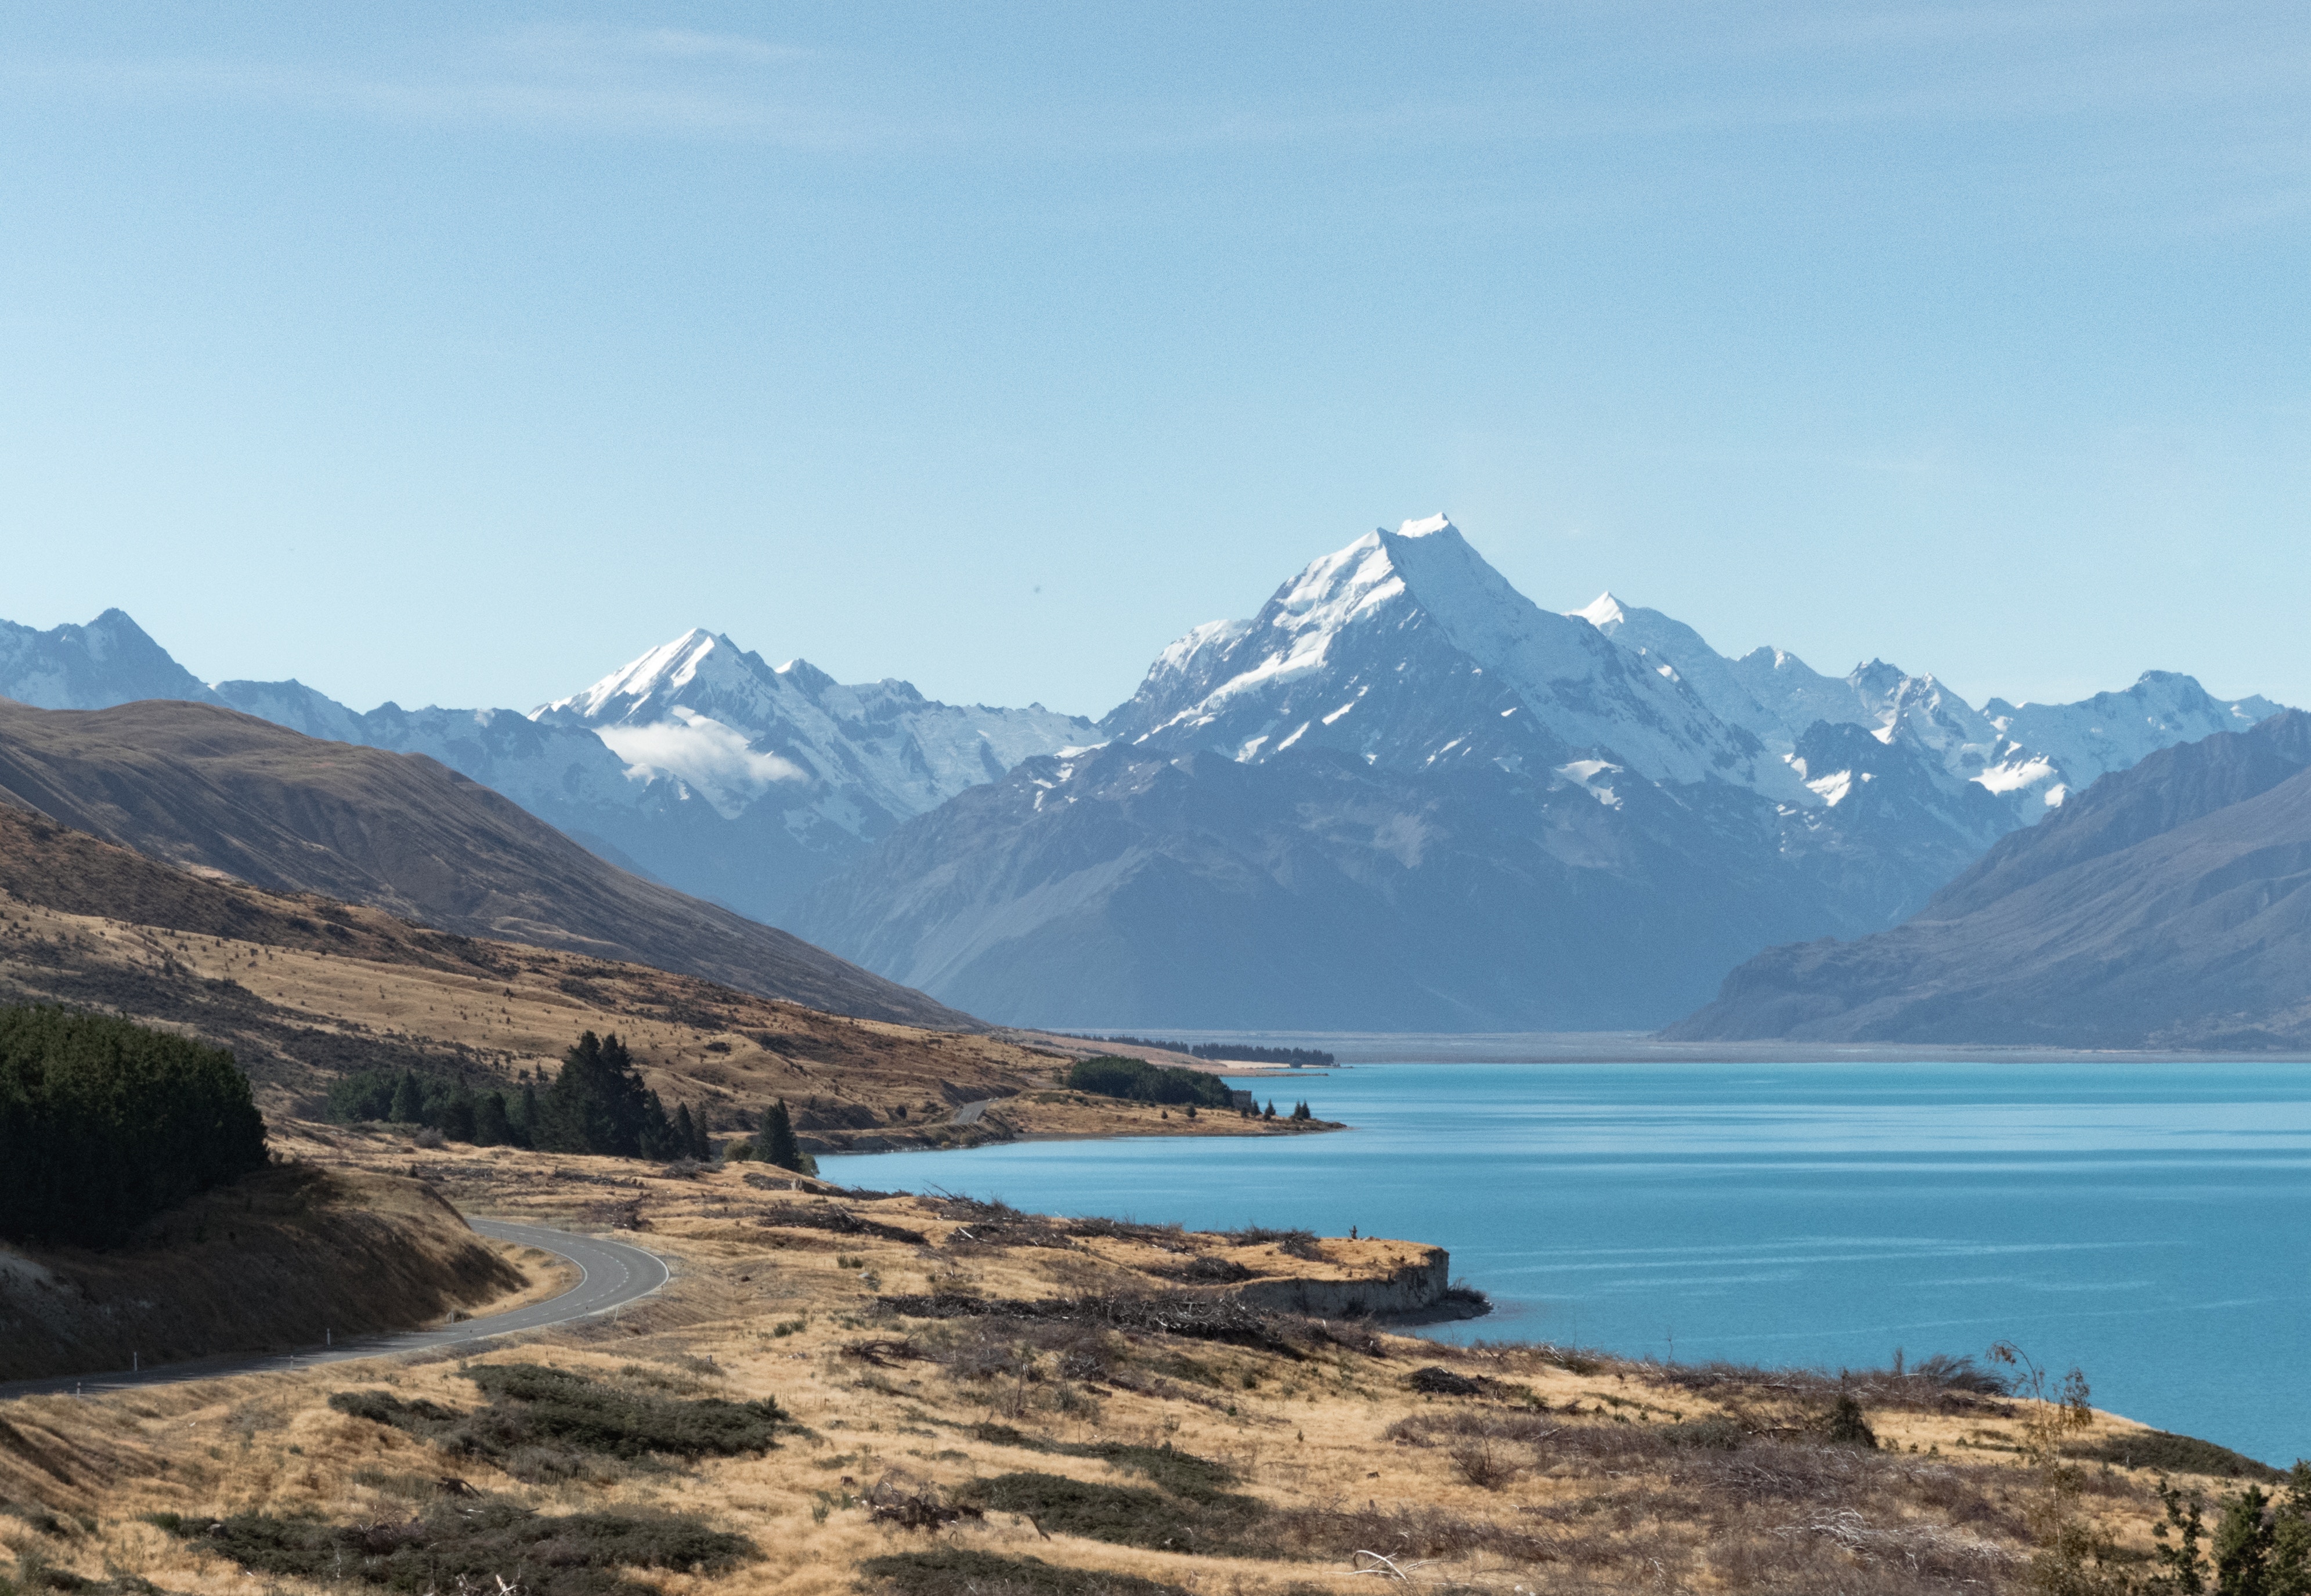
[104,1123]
[596,1102]
[1300,1110]
[1138,1081]
[1231,1052]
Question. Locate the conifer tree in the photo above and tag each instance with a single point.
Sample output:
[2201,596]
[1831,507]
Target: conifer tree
[777,1144]
[492,1127]
[656,1136]
[525,1129]
[1271,1110]
[103,1123]
[700,1148]
[408,1101]
[457,1115]
[598,1102]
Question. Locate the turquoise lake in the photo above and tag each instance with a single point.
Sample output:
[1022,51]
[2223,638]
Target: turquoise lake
[2150,1224]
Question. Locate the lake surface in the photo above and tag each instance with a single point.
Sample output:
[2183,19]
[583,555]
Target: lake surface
[2148,1223]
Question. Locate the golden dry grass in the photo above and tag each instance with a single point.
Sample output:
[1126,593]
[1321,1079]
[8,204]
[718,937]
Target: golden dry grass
[1556,1477]
[387,998]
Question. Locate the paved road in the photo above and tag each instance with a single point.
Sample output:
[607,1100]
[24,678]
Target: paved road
[611,1273]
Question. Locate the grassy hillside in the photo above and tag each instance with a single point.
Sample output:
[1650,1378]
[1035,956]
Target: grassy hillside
[267,1262]
[209,788]
[934,1397]
[306,991]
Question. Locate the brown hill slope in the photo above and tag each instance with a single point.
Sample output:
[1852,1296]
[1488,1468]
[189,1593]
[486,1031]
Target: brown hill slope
[306,991]
[2164,907]
[259,1264]
[205,786]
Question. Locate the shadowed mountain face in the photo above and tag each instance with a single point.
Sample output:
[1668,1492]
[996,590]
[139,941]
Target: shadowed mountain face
[1124,888]
[207,788]
[2161,908]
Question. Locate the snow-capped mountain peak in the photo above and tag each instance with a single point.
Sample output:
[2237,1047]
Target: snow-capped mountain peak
[1666,645]
[739,732]
[1604,611]
[644,686]
[1395,646]
[110,660]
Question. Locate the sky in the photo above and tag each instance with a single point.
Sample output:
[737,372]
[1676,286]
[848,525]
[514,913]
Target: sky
[456,354]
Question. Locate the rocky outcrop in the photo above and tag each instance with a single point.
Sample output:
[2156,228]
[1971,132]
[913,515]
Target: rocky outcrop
[1414,1287]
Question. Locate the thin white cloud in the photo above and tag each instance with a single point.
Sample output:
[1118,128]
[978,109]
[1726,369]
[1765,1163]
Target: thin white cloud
[664,81]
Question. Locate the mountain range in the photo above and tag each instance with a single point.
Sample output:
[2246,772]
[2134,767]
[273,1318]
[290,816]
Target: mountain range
[1402,795]
[697,765]
[2161,908]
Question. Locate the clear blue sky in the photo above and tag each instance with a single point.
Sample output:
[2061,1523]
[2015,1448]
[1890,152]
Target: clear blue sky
[457,353]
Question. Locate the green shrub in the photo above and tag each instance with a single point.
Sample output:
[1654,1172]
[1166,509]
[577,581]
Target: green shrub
[104,1123]
[541,1423]
[1847,1428]
[952,1571]
[1138,1081]
[1714,1434]
[2174,1455]
[1124,1515]
[570,1556]
[1182,1473]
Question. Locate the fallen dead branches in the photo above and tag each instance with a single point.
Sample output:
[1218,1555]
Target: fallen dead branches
[795,1216]
[915,1504]
[1200,1319]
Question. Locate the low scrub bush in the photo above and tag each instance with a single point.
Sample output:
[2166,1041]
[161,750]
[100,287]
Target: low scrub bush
[1340,1532]
[796,1215]
[541,1423]
[952,1571]
[2174,1454]
[1182,1473]
[578,1555]
[1214,1524]
[1205,1271]
[1169,1237]
[1202,1319]
[1291,1243]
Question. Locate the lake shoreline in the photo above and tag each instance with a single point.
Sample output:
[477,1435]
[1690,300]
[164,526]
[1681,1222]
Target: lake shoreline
[1794,1214]
[1352,1049]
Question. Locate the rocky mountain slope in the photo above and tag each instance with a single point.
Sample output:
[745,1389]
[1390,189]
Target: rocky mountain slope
[2032,755]
[202,786]
[2160,908]
[697,765]
[108,661]
[1404,796]
[750,781]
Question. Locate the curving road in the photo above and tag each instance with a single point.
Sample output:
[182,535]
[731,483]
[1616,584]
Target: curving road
[610,1274]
